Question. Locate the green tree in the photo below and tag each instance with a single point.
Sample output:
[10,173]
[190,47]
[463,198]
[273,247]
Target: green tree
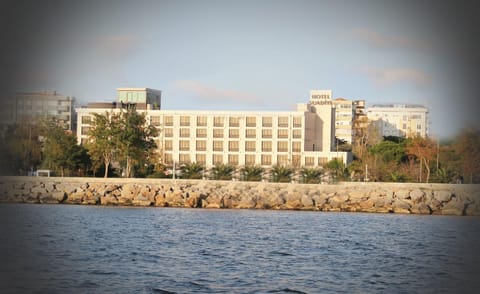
[282,174]
[102,139]
[222,172]
[337,169]
[311,175]
[60,150]
[252,173]
[134,140]
[191,171]
[20,148]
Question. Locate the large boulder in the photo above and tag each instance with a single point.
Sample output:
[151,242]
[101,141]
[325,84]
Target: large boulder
[454,208]
[443,196]
[400,206]
[417,196]
[420,208]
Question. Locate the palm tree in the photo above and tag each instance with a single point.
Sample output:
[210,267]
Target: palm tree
[282,174]
[252,173]
[222,172]
[311,175]
[192,171]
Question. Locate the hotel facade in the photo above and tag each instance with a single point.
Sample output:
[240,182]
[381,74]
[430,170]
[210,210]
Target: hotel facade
[301,138]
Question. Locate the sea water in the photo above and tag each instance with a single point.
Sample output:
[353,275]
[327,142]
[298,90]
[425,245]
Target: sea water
[93,249]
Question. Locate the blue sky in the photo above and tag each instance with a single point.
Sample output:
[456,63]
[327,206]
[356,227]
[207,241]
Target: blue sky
[252,55]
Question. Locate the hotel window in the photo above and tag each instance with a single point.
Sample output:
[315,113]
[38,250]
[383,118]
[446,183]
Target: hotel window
[266,121]
[85,130]
[309,161]
[250,133]
[296,160]
[84,141]
[322,161]
[266,159]
[201,133]
[168,132]
[250,145]
[249,159]
[168,121]
[233,146]
[283,121]
[168,145]
[404,126]
[419,127]
[201,158]
[86,119]
[283,133]
[218,121]
[251,121]
[296,146]
[184,121]
[233,121]
[184,158]
[217,145]
[282,146]
[233,159]
[201,145]
[218,133]
[168,158]
[184,132]
[266,133]
[217,159]
[266,146]
[233,133]
[155,121]
[297,134]
[184,145]
[201,121]
[282,159]
[297,122]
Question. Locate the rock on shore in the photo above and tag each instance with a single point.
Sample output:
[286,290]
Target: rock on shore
[406,198]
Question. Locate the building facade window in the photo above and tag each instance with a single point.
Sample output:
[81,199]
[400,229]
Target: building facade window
[283,121]
[297,121]
[309,161]
[217,159]
[233,159]
[184,121]
[85,130]
[267,121]
[296,146]
[184,145]
[251,121]
[155,121]
[184,158]
[282,146]
[168,121]
[267,133]
[201,145]
[233,133]
[282,133]
[282,159]
[234,122]
[201,121]
[168,145]
[250,145]
[201,133]
[201,158]
[86,119]
[218,121]
[217,145]
[184,132]
[168,158]
[249,159]
[266,159]
[250,133]
[218,133]
[266,146]
[297,134]
[233,146]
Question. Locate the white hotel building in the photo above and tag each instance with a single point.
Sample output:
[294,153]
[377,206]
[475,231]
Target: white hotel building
[400,120]
[298,138]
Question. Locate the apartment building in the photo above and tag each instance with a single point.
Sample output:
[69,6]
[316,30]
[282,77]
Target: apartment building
[28,107]
[298,138]
[401,120]
[344,116]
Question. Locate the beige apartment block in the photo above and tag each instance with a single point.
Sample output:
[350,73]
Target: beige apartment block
[401,120]
[296,138]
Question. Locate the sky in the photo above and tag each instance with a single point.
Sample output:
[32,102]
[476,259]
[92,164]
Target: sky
[249,55]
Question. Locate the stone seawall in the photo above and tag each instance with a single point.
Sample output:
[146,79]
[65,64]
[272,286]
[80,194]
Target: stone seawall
[445,199]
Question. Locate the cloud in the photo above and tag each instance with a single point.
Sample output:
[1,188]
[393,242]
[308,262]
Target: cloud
[214,94]
[388,76]
[378,40]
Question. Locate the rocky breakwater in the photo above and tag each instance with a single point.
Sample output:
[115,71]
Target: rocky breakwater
[444,199]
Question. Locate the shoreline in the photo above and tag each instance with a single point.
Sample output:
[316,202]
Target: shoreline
[371,197]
